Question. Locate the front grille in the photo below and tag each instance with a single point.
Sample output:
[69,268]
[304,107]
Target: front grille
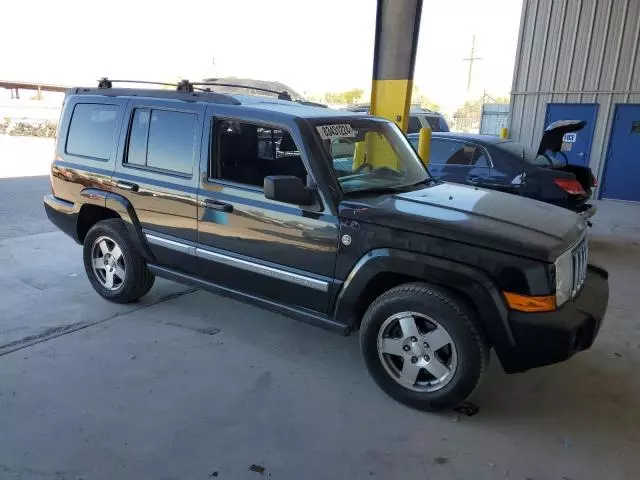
[580,258]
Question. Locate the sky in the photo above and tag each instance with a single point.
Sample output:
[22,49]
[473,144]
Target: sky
[310,45]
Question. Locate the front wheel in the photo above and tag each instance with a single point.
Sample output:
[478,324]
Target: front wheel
[114,266]
[423,347]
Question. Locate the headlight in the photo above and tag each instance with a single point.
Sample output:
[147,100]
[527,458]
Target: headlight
[564,277]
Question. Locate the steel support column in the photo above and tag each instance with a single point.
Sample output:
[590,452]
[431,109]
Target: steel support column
[397,28]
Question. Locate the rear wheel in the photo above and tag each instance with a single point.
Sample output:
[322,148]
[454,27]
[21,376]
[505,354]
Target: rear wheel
[113,265]
[423,347]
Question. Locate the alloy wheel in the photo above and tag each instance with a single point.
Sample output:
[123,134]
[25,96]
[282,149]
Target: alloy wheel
[108,263]
[417,351]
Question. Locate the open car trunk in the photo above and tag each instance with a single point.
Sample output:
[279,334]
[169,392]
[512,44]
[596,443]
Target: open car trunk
[552,140]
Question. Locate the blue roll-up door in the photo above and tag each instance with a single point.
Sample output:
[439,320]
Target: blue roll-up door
[622,171]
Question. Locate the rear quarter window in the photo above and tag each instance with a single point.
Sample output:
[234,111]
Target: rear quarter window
[437,123]
[92,130]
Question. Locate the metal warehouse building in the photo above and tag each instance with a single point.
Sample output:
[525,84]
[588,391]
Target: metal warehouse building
[579,59]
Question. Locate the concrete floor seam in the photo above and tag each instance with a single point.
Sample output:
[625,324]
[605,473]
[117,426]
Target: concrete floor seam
[56,332]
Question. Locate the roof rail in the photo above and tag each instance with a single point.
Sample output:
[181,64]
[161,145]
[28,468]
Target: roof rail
[182,86]
[283,95]
[187,86]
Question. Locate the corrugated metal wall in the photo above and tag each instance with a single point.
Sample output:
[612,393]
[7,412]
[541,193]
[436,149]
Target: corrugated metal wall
[575,51]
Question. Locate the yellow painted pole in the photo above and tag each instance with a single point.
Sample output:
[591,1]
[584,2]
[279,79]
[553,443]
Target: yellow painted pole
[358,154]
[424,145]
[394,58]
[504,133]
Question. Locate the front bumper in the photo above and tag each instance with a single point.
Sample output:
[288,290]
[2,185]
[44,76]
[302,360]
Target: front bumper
[62,214]
[551,337]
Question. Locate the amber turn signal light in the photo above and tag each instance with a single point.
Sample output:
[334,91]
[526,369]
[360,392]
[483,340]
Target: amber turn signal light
[525,303]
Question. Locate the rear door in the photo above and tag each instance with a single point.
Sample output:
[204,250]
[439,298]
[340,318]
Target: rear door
[157,171]
[622,170]
[576,146]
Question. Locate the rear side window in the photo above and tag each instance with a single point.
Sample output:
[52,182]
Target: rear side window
[92,130]
[414,125]
[162,139]
[449,152]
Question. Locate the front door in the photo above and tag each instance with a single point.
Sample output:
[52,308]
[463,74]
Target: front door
[157,171]
[252,244]
[576,146]
[622,170]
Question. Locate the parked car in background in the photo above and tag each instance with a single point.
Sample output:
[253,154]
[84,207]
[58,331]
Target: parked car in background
[418,118]
[491,162]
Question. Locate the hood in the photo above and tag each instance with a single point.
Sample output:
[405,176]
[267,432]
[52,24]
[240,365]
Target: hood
[552,136]
[486,218]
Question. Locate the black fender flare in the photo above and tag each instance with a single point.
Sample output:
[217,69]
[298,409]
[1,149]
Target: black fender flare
[470,281]
[127,213]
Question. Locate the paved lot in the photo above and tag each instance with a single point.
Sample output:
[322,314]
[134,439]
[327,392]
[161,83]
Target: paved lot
[185,384]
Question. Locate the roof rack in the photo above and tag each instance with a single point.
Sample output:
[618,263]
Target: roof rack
[283,95]
[187,86]
[182,86]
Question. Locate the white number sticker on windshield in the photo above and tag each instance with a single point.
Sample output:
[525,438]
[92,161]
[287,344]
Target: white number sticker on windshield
[329,132]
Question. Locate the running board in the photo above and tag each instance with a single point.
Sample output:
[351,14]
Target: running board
[300,314]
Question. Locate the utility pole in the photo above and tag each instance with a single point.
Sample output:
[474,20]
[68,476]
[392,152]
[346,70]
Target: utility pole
[472,58]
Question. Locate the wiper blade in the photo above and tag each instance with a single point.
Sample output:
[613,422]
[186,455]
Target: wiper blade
[379,190]
[426,182]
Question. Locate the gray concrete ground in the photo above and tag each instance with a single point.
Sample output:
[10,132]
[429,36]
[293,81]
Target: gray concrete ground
[189,385]
[21,211]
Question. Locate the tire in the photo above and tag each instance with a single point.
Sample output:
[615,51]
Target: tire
[120,258]
[414,330]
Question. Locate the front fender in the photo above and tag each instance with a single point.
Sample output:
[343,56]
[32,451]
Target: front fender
[472,282]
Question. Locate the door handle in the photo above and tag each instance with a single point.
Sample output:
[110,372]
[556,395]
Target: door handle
[581,154]
[216,205]
[132,187]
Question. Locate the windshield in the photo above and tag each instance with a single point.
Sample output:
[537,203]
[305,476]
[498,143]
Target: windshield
[369,154]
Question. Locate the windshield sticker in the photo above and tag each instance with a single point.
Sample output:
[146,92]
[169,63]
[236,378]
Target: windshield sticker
[329,132]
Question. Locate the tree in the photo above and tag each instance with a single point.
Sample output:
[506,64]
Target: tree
[426,102]
[470,109]
[349,96]
[467,117]
[423,100]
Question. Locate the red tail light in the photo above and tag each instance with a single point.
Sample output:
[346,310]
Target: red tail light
[571,186]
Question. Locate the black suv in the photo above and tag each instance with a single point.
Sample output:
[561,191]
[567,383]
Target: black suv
[240,195]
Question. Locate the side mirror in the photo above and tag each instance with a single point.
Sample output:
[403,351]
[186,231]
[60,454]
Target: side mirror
[288,189]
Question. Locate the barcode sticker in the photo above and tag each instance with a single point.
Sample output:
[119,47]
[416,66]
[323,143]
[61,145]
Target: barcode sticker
[329,132]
